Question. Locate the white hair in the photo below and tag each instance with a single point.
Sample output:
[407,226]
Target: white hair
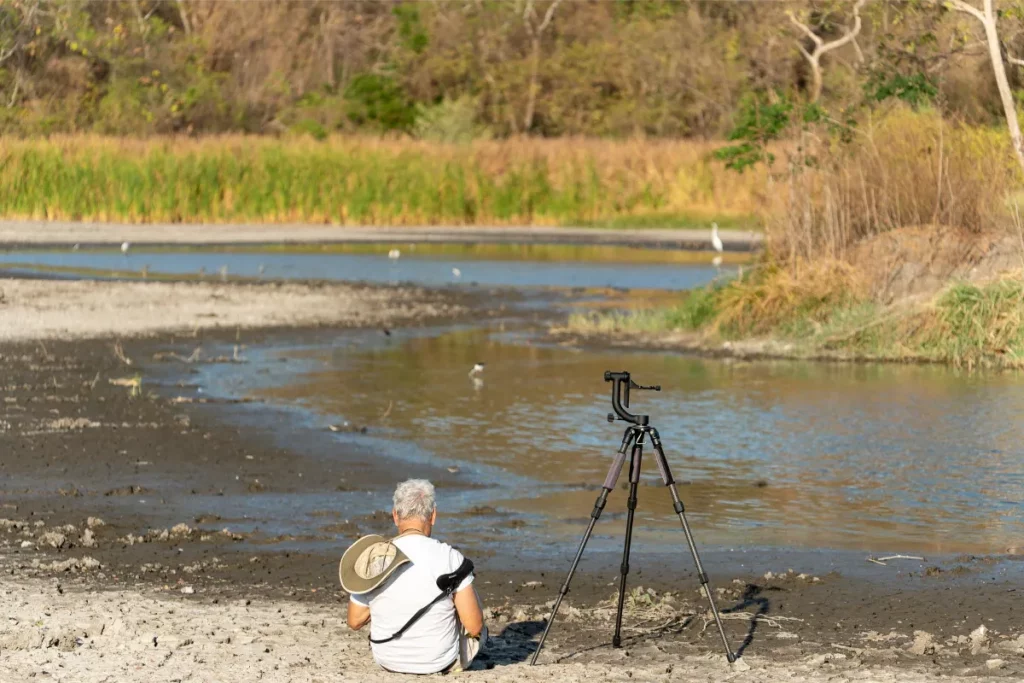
[414,499]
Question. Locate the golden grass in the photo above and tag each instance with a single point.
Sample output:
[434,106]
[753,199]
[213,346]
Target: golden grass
[371,181]
[905,169]
[805,293]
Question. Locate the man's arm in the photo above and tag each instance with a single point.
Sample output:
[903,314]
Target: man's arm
[471,613]
[358,615]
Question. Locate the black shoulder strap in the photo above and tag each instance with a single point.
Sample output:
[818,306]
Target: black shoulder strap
[447,583]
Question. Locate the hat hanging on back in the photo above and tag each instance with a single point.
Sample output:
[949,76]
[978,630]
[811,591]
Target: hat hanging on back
[368,563]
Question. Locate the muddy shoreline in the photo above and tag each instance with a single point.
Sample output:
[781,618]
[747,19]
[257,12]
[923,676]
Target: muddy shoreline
[78,446]
[105,444]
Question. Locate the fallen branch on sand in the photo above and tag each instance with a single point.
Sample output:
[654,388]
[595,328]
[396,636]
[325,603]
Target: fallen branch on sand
[119,352]
[164,355]
[747,616]
[882,560]
[133,383]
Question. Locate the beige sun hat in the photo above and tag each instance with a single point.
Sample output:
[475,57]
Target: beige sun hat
[368,563]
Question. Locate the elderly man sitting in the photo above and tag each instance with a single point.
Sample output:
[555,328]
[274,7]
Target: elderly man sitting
[417,593]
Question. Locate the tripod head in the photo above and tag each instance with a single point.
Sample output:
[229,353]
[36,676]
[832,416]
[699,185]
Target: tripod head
[621,384]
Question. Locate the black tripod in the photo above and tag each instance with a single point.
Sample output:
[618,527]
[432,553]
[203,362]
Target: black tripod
[636,433]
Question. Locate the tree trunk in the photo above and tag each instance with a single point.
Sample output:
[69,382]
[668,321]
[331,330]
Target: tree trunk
[186,25]
[816,79]
[1005,94]
[531,96]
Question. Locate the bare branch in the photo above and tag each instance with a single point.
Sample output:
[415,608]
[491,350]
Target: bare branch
[860,54]
[821,47]
[961,6]
[548,16]
[806,29]
[850,35]
[528,16]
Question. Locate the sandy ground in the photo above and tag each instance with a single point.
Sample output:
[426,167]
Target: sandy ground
[76,445]
[128,601]
[53,633]
[69,233]
[40,309]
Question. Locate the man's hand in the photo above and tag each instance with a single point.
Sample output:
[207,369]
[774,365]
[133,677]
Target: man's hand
[358,616]
[471,613]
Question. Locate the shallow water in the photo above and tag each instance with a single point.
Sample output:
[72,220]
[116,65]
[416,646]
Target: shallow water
[780,454]
[460,268]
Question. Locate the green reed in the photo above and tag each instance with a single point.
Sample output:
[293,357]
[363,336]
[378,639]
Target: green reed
[369,182]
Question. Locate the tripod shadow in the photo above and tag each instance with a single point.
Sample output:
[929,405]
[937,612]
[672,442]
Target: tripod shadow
[515,645]
[634,639]
[752,596]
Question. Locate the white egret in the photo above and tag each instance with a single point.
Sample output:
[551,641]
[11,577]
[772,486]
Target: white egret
[125,246]
[716,241]
[394,254]
[456,272]
[477,369]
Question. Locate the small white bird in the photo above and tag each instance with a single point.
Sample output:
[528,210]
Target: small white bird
[125,247]
[393,254]
[477,369]
[716,241]
[261,269]
[224,273]
[456,272]
[75,248]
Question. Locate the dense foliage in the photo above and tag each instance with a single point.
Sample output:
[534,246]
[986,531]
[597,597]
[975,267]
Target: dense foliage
[453,70]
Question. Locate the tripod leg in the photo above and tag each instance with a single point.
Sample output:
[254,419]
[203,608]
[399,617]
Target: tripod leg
[677,505]
[634,481]
[595,514]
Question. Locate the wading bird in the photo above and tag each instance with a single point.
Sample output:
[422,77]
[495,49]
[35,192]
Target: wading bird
[456,272]
[393,254]
[125,247]
[477,369]
[716,241]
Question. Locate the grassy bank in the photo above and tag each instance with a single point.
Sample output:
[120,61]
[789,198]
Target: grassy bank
[825,313]
[902,241]
[368,181]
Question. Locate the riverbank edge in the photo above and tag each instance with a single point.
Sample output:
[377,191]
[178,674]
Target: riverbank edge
[67,234]
[752,349]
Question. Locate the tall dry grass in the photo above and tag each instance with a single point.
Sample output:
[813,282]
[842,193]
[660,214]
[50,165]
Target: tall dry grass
[906,169]
[371,181]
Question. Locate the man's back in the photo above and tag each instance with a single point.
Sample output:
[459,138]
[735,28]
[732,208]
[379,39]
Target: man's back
[432,643]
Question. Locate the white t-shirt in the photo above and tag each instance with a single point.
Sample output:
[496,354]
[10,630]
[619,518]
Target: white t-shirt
[432,643]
